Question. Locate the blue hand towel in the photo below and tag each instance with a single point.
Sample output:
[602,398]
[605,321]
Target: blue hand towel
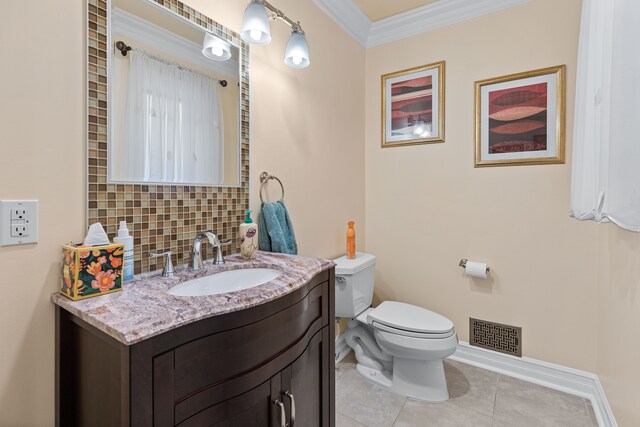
[275,229]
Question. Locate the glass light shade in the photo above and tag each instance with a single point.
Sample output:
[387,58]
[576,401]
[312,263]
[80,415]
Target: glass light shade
[296,55]
[255,24]
[215,48]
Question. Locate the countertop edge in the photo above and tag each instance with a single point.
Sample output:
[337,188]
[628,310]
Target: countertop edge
[267,292]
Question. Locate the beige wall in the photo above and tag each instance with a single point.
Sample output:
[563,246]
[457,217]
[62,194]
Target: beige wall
[307,128]
[619,321]
[427,206]
[41,122]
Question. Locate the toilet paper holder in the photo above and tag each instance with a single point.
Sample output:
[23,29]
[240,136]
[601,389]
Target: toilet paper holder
[463,264]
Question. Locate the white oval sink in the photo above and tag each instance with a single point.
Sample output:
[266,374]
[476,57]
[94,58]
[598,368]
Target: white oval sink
[226,281]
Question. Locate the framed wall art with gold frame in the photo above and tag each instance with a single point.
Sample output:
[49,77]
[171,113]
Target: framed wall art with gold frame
[520,118]
[413,106]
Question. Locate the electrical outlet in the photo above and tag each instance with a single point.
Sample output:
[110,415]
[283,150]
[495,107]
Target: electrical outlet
[18,222]
[20,230]
[19,214]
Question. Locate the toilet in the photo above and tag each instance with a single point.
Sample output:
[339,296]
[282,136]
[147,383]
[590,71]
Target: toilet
[398,346]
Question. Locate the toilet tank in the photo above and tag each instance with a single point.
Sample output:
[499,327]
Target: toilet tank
[354,284]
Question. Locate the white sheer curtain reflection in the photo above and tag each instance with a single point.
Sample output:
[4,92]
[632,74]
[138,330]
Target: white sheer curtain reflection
[173,130]
[605,183]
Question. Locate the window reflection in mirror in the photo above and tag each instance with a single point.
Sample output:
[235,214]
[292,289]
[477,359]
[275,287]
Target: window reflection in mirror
[174,116]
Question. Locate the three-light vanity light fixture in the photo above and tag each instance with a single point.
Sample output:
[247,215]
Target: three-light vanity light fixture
[256,30]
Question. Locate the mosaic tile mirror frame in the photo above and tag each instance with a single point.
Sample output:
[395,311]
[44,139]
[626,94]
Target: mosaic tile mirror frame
[160,217]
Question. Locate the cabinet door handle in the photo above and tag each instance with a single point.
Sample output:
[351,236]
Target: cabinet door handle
[293,407]
[283,415]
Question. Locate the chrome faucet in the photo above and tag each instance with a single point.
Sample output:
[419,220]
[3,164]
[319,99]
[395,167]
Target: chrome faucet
[215,243]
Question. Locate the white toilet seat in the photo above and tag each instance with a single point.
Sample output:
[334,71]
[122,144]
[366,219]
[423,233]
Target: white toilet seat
[410,320]
[404,333]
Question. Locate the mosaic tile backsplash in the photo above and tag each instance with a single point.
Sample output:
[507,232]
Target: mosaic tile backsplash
[161,217]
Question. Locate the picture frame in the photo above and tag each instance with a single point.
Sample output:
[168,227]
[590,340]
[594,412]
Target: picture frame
[413,106]
[520,118]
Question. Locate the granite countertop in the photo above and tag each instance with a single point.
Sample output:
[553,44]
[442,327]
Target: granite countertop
[144,309]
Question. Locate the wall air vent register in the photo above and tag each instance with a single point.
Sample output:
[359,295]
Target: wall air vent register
[495,336]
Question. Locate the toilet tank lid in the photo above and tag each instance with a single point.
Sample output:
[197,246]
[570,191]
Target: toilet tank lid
[346,266]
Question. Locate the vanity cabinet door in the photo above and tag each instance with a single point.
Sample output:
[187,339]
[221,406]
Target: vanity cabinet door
[302,385]
[307,381]
[252,408]
[224,373]
[217,358]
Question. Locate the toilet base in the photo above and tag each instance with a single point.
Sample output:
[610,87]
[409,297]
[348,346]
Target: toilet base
[418,379]
[379,378]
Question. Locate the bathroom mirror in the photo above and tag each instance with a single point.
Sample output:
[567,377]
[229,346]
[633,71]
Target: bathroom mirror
[165,212]
[174,115]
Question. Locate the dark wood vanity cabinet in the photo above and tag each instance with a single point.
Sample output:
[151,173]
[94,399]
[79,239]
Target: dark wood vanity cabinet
[246,368]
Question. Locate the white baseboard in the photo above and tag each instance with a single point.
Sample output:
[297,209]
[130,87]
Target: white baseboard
[557,377]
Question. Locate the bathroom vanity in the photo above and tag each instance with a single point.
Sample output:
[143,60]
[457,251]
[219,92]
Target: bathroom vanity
[262,356]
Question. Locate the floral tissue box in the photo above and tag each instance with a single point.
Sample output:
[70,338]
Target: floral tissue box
[89,271]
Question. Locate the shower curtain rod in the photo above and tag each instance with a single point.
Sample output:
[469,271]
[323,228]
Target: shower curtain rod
[124,49]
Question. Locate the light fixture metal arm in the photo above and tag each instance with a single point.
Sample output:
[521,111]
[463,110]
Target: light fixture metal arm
[278,14]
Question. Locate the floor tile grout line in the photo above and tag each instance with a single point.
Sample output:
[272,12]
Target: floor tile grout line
[477,411]
[400,411]
[495,399]
[584,401]
[352,419]
[587,405]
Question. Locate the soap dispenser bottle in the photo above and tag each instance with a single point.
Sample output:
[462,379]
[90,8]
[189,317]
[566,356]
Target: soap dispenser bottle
[127,240]
[248,238]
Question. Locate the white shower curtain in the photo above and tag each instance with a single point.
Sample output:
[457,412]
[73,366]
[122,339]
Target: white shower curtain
[605,183]
[173,125]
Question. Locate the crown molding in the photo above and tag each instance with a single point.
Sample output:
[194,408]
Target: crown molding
[433,16]
[416,21]
[349,16]
[147,33]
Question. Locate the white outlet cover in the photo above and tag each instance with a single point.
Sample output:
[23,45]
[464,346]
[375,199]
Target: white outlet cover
[7,221]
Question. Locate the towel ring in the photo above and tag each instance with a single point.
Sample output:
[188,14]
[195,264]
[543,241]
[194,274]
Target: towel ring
[264,178]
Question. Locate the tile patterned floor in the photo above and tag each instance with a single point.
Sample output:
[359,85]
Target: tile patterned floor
[478,398]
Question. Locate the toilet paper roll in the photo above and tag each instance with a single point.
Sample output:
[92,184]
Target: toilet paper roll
[476,269]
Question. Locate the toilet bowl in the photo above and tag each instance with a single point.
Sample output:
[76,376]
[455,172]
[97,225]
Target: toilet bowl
[398,346]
